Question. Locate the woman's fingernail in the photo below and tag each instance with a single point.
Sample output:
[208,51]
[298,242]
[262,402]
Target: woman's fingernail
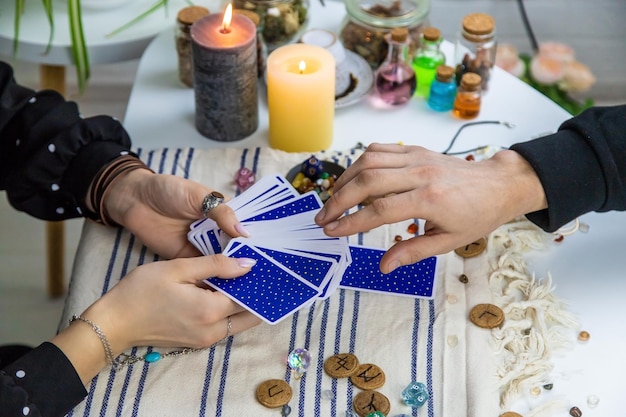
[242,230]
[246,262]
[332,225]
[393,266]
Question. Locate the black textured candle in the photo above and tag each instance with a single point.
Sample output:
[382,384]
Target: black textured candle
[225,77]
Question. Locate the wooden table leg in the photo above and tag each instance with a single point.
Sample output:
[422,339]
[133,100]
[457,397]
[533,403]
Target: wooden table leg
[53,77]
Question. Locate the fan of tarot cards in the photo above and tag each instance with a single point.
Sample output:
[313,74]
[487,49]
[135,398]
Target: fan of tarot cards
[297,263]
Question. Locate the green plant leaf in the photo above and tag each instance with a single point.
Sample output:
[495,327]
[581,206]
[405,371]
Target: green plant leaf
[47,5]
[79,47]
[156,6]
[19,10]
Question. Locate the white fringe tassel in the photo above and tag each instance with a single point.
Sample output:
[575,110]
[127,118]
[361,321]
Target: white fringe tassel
[537,324]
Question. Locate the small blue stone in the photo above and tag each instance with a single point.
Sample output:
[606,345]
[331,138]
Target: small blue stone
[415,394]
[152,357]
[285,411]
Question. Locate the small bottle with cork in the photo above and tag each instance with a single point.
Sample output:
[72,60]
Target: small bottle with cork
[427,58]
[184,19]
[395,80]
[468,97]
[443,89]
[475,49]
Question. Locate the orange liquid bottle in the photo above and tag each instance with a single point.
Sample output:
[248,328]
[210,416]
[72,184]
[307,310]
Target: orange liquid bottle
[468,100]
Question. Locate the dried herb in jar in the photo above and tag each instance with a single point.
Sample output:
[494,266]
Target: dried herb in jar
[281,20]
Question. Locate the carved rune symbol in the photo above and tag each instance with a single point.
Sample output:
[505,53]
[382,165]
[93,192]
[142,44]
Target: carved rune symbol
[272,388]
[371,406]
[341,363]
[487,312]
[367,378]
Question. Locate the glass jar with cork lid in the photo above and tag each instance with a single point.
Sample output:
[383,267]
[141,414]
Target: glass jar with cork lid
[282,21]
[475,49]
[184,19]
[368,21]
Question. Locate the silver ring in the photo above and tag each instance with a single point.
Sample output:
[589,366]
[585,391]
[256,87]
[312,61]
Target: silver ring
[229,327]
[211,201]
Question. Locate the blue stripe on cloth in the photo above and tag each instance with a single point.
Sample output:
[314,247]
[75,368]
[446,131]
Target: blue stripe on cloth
[129,372]
[224,377]
[340,311]
[141,385]
[255,161]
[414,342]
[176,157]
[207,382]
[163,159]
[429,359]
[107,277]
[188,163]
[320,357]
[307,345]
[355,322]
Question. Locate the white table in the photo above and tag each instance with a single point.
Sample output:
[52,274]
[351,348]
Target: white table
[33,40]
[588,270]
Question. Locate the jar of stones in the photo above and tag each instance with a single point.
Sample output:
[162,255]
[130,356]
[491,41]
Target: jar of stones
[282,21]
[368,21]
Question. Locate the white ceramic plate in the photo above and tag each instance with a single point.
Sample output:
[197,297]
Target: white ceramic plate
[363,77]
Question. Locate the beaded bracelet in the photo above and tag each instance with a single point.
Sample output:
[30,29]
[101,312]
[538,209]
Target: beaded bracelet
[105,179]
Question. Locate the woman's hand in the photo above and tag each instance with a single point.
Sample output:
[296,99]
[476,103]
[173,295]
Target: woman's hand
[461,201]
[159,304]
[158,209]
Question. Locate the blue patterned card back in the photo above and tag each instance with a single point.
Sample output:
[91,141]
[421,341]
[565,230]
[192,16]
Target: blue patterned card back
[363,274]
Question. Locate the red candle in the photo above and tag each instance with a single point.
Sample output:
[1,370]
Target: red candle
[225,76]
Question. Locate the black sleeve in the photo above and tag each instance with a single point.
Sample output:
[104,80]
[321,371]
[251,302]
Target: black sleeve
[41,383]
[48,153]
[582,167]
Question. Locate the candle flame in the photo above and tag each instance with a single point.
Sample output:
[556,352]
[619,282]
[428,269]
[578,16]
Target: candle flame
[228,16]
[302,66]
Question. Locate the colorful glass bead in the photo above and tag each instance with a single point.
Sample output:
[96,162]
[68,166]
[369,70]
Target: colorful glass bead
[398,238]
[415,394]
[463,278]
[328,395]
[584,336]
[152,357]
[575,412]
[375,414]
[285,410]
[299,360]
[297,181]
[312,167]
[593,401]
[548,387]
[244,178]
[413,228]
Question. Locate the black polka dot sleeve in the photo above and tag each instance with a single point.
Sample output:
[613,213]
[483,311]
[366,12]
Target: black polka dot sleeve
[49,154]
[41,383]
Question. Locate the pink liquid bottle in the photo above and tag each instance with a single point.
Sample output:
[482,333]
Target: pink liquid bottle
[395,80]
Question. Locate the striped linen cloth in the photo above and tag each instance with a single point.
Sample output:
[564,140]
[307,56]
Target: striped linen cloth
[430,341]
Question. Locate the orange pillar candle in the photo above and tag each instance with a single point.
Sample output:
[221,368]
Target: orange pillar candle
[225,76]
[301,98]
